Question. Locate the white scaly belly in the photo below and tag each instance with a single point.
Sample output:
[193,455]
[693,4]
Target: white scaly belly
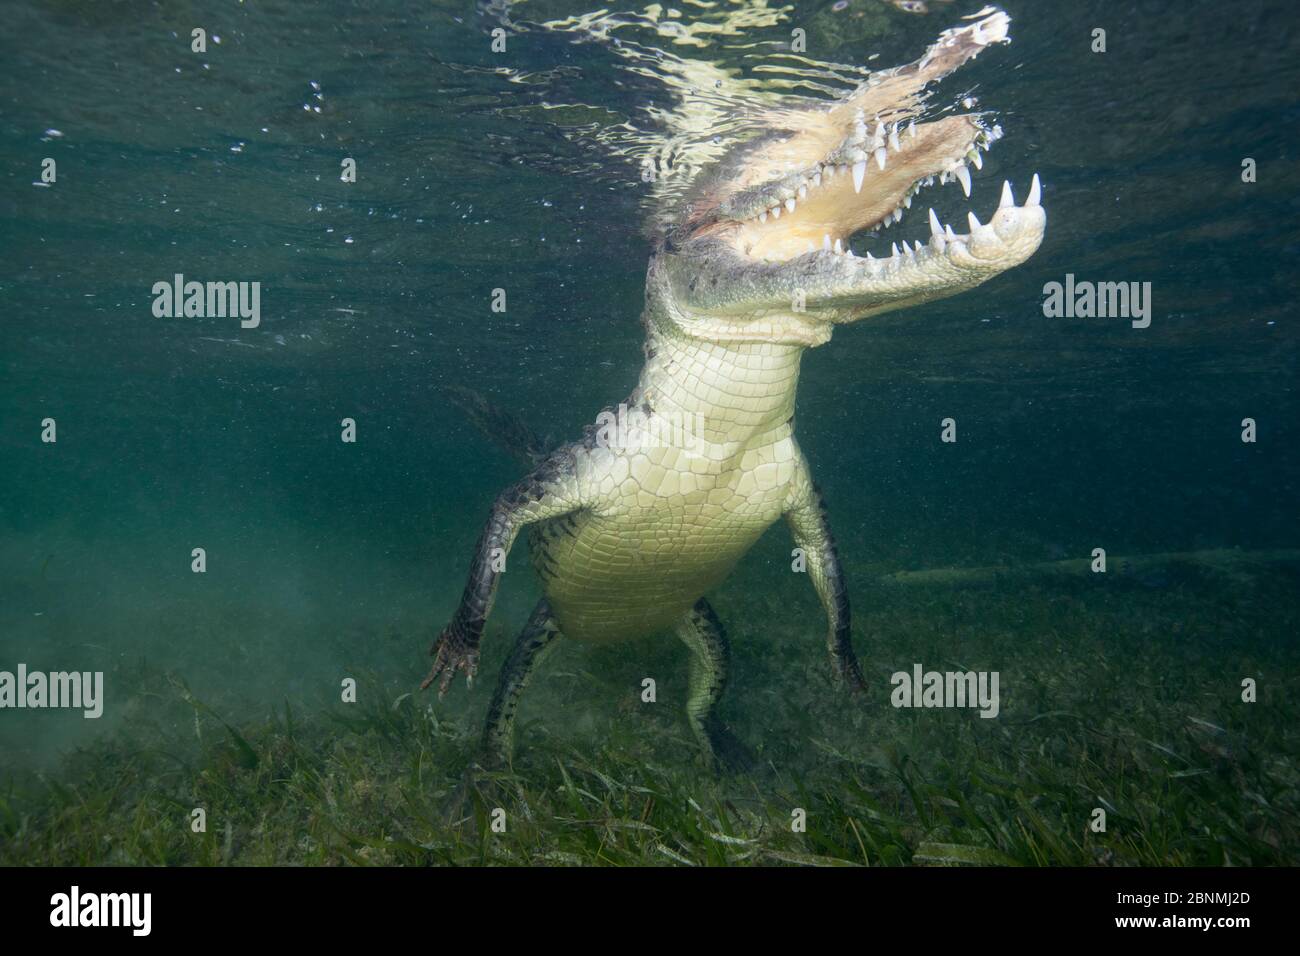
[670,525]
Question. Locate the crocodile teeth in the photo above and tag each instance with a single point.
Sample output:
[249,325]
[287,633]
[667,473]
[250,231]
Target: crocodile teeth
[1035,192]
[826,242]
[948,233]
[817,179]
[762,216]
[789,204]
[776,212]
[880,157]
[893,249]
[893,139]
[977,160]
[911,130]
[1007,198]
[973,220]
[963,177]
[839,247]
[803,191]
[859,170]
[937,238]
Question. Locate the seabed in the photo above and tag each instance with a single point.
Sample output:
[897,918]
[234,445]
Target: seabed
[1122,695]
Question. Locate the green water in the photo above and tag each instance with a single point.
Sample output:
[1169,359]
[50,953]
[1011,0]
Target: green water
[521,170]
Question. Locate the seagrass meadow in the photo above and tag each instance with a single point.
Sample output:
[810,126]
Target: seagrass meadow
[252,523]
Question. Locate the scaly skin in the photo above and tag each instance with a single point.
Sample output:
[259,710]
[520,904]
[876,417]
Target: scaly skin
[631,526]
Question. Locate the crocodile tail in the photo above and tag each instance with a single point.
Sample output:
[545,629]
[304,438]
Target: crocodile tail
[505,428]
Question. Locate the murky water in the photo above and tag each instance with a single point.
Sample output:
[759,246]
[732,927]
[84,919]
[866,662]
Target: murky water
[479,170]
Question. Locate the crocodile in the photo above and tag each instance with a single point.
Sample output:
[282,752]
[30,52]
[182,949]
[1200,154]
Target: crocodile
[631,526]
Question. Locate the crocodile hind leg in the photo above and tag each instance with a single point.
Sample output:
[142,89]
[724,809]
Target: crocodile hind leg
[701,631]
[537,637]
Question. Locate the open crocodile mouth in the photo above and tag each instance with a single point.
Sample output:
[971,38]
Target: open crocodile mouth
[783,222]
[824,207]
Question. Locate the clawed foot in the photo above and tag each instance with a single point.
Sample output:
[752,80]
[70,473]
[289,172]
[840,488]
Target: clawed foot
[725,753]
[455,649]
[477,782]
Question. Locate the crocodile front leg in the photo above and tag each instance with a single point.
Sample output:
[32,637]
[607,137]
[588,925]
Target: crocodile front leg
[549,491]
[806,515]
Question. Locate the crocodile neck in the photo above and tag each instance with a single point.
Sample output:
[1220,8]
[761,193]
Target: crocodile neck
[726,393]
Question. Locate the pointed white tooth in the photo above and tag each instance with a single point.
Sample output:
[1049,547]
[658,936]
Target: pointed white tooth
[762,216]
[803,190]
[811,247]
[911,129]
[789,204]
[839,246]
[976,159]
[918,245]
[907,201]
[894,144]
[893,249]
[963,177]
[826,242]
[935,228]
[817,178]
[849,253]
[973,221]
[1007,198]
[776,212]
[1035,192]
[870,258]
[880,157]
[944,177]
[947,231]
[859,170]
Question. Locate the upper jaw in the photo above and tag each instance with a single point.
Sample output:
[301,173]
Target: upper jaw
[866,182]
